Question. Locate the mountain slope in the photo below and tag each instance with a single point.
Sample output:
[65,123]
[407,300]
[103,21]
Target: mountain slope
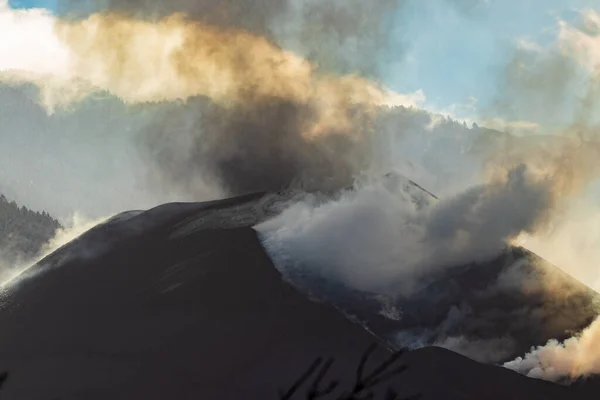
[181,302]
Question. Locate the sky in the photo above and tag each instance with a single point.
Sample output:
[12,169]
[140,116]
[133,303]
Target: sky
[455,52]
[47,4]
[456,49]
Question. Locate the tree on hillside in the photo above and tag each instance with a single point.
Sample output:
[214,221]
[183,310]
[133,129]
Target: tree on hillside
[23,232]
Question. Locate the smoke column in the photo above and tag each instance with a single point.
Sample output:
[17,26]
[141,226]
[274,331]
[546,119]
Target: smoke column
[542,84]
[574,358]
[530,185]
[232,106]
[389,237]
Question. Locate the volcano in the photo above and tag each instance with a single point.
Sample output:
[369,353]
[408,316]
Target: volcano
[183,302]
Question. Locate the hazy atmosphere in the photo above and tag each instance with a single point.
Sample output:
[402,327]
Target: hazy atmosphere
[492,107]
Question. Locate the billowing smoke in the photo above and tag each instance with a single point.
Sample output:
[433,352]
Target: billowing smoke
[549,86]
[565,165]
[177,58]
[247,115]
[258,148]
[380,239]
[344,36]
[574,358]
[75,227]
[572,242]
[551,92]
[390,237]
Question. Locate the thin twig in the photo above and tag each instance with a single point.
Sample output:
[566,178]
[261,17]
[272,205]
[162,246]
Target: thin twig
[361,389]
[288,395]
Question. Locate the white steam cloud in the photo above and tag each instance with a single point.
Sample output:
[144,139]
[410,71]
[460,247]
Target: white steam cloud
[77,225]
[574,358]
[388,236]
[29,43]
[31,52]
[582,43]
[174,59]
[572,241]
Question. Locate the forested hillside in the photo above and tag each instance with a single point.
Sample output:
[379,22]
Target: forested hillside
[23,232]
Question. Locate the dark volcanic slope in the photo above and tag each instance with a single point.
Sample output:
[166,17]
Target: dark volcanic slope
[181,302]
[492,311]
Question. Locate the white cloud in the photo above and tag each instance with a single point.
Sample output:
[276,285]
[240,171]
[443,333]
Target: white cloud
[28,43]
[582,43]
[575,357]
[415,99]
[463,112]
[528,45]
[514,127]
[69,61]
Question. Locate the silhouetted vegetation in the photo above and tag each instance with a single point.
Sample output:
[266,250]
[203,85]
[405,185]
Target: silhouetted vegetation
[23,232]
[361,389]
[363,386]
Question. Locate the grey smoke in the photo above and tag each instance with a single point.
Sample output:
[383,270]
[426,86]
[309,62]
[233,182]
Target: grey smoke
[201,147]
[381,239]
[340,35]
[389,239]
[260,147]
[483,217]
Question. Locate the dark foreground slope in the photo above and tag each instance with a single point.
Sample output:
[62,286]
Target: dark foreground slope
[181,302]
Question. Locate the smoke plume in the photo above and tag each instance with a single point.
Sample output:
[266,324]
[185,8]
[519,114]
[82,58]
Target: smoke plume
[574,358]
[76,226]
[379,239]
[551,85]
[245,114]
[11,272]
[344,36]
[390,237]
